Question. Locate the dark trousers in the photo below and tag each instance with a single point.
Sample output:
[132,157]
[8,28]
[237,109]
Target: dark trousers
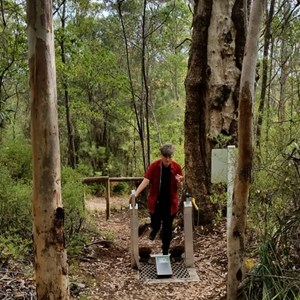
[160,219]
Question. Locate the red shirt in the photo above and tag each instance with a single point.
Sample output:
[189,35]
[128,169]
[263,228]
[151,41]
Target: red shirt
[153,174]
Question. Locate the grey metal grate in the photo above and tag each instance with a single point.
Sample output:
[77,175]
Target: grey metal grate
[148,271]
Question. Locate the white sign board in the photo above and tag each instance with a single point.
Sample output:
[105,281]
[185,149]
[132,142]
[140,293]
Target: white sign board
[219,165]
[223,165]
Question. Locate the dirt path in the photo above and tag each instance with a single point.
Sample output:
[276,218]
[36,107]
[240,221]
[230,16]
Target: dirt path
[105,272]
[99,203]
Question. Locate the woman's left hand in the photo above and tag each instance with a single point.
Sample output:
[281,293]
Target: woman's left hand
[179,178]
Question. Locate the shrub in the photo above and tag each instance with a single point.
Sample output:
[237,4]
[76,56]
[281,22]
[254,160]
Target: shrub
[13,246]
[15,205]
[96,189]
[121,188]
[16,157]
[276,275]
[15,188]
[72,195]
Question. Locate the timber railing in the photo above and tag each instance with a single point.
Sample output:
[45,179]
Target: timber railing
[107,180]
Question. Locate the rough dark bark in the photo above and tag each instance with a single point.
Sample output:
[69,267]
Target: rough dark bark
[211,92]
[197,146]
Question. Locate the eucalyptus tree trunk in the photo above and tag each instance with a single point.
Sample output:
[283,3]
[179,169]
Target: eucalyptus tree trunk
[212,85]
[236,235]
[51,269]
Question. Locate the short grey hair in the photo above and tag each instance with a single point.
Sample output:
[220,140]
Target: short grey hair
[167,150]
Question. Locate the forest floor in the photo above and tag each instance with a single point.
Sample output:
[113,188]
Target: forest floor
[104,270]
[107,265]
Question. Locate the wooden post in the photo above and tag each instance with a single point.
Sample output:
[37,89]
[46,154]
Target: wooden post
[107,180]
[98,179]
[107,198]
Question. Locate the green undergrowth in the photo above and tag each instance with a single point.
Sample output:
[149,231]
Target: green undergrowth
[16,203]
[277,272]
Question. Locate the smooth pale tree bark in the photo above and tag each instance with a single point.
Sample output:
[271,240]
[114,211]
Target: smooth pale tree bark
[236,237]
[51,269]
[212,85]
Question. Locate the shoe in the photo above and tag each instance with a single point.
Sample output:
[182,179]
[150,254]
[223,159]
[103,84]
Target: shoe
[152,235]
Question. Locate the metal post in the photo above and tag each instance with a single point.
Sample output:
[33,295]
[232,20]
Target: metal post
[134,232]
[188,232]
[231,158]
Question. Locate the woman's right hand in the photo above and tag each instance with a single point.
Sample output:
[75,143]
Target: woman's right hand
[131,197]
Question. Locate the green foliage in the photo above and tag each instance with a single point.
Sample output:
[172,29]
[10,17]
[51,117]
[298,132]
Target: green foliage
[13,58]
[104,120]
[84,169]
[13,246]
[76,244]
[275,191]
[121,188]
[101,97]
[276,276]
[96,156]
[15,199]
[219,199]
[4,114]
[95,189]
[15,189]
[274,217]
[220,141]
[72,195]
[16,157]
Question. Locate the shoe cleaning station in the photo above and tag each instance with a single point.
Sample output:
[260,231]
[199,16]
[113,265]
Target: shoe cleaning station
[163,269]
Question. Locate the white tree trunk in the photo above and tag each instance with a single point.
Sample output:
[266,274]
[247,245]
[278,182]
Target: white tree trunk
[51,269]
[236,237]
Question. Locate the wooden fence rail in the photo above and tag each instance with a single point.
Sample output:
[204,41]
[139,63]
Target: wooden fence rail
[108,180]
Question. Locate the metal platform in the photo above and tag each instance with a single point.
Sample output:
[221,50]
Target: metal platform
[181,273]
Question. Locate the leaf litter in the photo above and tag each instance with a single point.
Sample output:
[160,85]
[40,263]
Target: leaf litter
[104,270]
